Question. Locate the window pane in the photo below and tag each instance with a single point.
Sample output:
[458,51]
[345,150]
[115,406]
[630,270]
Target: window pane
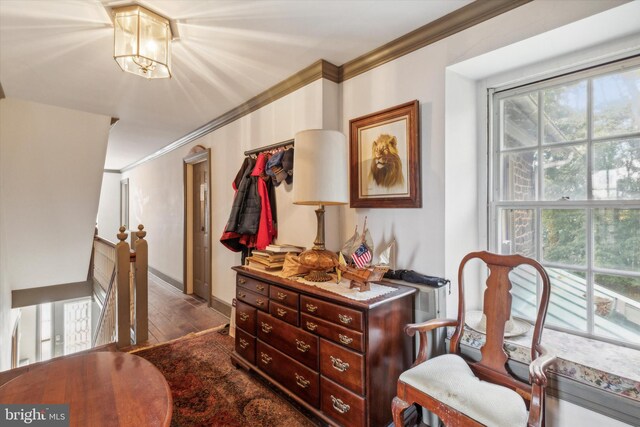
[524,282]
[568,301]
[45,350]
[519,171]
[616,103]
[564,236]
[565,173]
[518,232]
[617,307]
[565,113]
[520,121]
[617,238]
[616,170]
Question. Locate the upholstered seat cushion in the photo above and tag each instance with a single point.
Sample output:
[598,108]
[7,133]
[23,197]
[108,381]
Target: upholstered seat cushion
[449,379]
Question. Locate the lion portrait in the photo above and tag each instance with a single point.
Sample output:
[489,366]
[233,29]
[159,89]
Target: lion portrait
[386,166]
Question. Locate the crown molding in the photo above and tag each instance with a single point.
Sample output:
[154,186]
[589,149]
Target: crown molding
[317,70]
[456,21]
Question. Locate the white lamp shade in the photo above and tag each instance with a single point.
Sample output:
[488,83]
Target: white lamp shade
[320,168]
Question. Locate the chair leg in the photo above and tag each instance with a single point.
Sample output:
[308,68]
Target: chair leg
[397,408]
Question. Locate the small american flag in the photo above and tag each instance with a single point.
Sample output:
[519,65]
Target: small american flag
[362,256]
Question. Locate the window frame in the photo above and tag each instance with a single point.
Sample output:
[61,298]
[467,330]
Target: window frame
[494,178]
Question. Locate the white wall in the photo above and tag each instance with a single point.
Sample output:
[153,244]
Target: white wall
[28,334]
[431,240]
[109,207]
[560,413]
[51,162]
[156,187]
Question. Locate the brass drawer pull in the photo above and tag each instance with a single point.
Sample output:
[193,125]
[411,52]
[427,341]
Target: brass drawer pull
[339,405]
[243,316]
[311,326]
[345,339]
[260,302]
[260,287]
[241,295]
[266,328]
[345,319]
[312,308]
[302,346]
[265,358]
[301,381]
[242,281]
[281,312]
[243,343]
[282,296]
[338,364]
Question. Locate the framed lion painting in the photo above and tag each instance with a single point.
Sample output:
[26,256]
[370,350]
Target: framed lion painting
[384,154]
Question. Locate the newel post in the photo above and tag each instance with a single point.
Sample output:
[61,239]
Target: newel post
[123,298]
[142,286]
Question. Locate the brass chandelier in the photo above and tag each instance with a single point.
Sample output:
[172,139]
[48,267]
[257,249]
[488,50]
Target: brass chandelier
[142,42]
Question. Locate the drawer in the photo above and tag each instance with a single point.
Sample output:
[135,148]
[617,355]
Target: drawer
[246,346]
[343,366]
[251,298]
[290,340]
[302,381]
[335,313]
[347,337]
[342,405]
[284,296]
[282,312]
[246,317]
[254,285]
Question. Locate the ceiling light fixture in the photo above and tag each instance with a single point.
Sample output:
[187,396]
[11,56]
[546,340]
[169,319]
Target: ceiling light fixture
[142,42]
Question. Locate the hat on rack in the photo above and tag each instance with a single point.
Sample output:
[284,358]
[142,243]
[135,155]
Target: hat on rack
[476,320]
[280,175]
[287,165]
[274,160]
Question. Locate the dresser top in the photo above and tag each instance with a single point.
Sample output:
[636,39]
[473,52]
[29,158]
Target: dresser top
[400,292]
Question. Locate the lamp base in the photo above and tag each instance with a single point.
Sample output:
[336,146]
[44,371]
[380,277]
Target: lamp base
[318,261]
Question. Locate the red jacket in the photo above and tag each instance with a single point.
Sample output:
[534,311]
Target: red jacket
[266,230]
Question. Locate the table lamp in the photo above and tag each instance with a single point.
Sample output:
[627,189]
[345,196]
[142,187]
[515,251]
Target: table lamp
[320,171]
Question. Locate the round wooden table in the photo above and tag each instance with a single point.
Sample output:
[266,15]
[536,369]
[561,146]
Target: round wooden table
[101,388]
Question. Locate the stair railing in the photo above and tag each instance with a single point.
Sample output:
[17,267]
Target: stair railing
[124,316]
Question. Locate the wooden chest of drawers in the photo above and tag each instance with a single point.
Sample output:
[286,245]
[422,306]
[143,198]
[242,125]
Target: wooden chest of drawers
[337,357]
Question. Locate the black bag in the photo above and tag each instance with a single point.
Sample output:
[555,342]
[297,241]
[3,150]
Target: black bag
[414,277]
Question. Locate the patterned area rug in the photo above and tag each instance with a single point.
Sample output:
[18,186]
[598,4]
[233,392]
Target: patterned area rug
[209,391]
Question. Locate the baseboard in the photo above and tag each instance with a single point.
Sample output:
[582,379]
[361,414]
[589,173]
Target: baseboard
[170,280]
[221,306]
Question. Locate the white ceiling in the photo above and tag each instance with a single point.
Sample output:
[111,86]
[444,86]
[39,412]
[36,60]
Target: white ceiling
[60,53]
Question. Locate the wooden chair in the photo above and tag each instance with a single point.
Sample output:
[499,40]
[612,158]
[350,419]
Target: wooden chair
[466,393]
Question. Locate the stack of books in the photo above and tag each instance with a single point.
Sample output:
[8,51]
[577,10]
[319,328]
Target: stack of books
[272,257]
[283,248]
[266,260]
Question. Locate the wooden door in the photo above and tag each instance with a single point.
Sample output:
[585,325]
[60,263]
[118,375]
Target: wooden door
[201,250]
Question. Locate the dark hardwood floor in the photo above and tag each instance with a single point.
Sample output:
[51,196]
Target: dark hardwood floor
[173,314]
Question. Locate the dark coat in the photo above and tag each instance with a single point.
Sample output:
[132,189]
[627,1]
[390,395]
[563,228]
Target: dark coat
[245,211]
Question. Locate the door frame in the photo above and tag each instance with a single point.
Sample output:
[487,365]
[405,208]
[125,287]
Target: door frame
[198,154]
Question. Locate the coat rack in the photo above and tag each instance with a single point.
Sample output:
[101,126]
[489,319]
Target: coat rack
[286,143]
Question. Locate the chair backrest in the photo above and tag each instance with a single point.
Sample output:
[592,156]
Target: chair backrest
[497,309]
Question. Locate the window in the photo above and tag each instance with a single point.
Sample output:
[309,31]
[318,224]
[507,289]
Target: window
[45,330]
[565,190]
[77,325]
